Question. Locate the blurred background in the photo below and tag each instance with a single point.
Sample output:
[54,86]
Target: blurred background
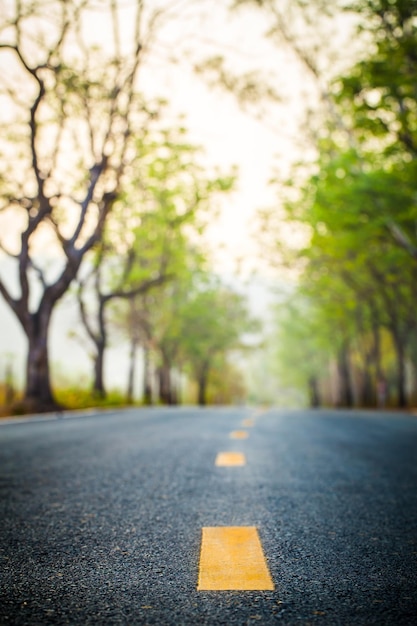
[208,203]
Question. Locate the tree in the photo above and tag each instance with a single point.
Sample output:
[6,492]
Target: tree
[146,240]
[379,93]
[357,202]
[214,320]
[160,315]
[353,270]
[97,331]
[303,347]
[378,99]
[226,382]
[72,111]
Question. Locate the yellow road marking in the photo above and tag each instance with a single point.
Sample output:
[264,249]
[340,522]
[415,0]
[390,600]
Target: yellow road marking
[232,559]
[230,458]
[239,434]
[248,422]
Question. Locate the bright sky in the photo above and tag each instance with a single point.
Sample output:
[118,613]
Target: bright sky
[230,136]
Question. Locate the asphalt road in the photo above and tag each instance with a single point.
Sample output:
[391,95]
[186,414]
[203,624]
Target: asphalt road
[101,517]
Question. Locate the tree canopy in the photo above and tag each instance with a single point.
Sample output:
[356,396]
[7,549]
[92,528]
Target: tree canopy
[357,207]
[90,176]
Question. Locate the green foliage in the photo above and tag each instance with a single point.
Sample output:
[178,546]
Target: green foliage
[151,238]
[213,321]
[301,348]
[380,92]
[358,265]
[162,211]
[194,324]
[75,397]
[226,383]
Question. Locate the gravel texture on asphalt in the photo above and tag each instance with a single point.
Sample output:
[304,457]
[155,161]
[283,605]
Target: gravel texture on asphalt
[101,517]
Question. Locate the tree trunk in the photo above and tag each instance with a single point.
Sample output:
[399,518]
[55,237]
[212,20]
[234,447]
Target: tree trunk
[202,381]
[202,387]
[178,394]
[165,383]
[367,390]
[100,341]
[377,344]
[132,370]
[346,392]
[38,392]
[401,376]
[10,387]
[174,400]
[147,378]
[314,392]
[98,385]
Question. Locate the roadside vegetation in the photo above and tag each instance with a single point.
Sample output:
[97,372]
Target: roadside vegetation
[103,179]
[347,334]
[103,200]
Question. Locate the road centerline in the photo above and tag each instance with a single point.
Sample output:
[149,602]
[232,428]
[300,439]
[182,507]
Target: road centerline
[238,434]
[226,459]
[248,422]
[232,559]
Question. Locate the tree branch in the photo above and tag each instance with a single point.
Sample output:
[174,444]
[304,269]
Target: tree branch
[39,272]
[6,295]
[402,238]
[95,172]
[83,314]
[104,208]
[141,289]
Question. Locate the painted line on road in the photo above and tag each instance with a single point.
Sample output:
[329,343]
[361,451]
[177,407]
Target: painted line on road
[232,559]
[227,459]
[238,434]
[248,422]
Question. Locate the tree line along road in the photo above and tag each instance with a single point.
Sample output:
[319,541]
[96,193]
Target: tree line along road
[209,516]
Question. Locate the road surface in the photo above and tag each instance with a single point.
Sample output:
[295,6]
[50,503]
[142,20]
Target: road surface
[102,518]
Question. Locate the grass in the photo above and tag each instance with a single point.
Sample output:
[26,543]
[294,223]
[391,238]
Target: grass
[68,397]
[76,398]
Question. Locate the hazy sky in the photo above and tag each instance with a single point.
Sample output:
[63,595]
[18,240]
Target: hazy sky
[230,135]
[257,145]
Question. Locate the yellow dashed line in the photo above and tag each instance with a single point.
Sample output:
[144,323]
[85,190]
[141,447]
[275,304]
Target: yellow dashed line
[232,559]
[239,434]
[248,423]
[230,458]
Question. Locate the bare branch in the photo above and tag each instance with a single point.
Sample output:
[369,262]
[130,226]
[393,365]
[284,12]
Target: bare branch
[66,23]
[58,140]
[31,70]
[141,289]
[95,172]
[105,207]
[6,295]
[402,238]
[39,272]
[83,313]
